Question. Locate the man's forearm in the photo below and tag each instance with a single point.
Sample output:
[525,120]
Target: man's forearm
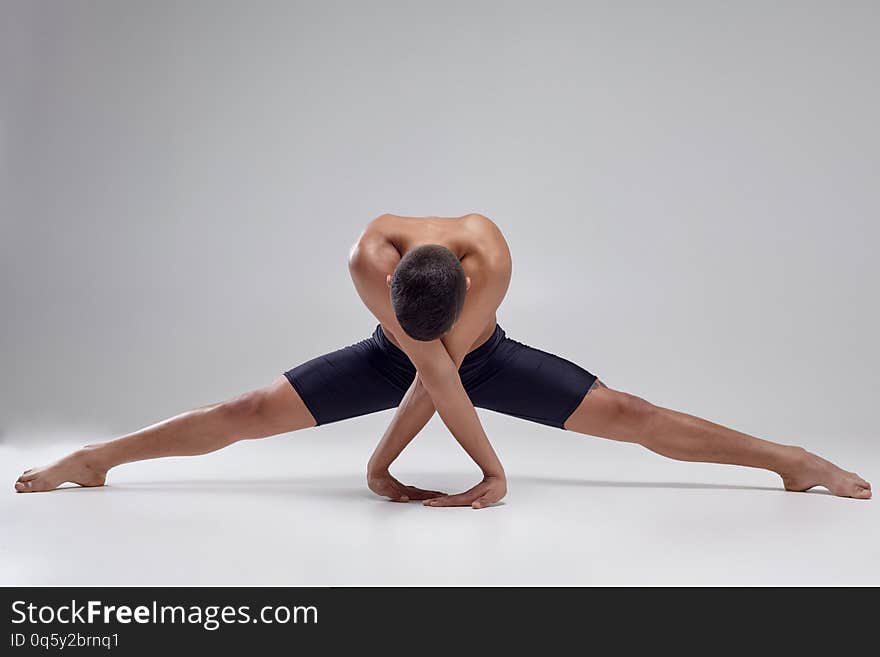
[458,414]
[416,408]
[413,413]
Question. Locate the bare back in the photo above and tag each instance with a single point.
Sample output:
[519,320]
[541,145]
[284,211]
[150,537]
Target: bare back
[474,239]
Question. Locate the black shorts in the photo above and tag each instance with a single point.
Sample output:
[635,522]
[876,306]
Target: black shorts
[500,375]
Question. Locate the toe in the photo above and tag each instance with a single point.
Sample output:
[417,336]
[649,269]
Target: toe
[27,476]
[23,486]
[862,493]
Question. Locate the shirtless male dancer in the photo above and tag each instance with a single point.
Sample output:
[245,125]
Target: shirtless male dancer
[434,285]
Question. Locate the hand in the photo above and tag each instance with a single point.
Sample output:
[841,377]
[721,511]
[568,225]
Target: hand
[382,483]
[485,493]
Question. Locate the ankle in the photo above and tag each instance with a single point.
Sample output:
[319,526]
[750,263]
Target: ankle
[794,460]
[97,456]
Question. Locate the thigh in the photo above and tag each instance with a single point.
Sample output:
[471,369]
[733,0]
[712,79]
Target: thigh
[614,414]
[531,384]
[359,379]
[267,411]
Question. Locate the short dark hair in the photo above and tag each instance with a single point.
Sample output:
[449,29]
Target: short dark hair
[427,291]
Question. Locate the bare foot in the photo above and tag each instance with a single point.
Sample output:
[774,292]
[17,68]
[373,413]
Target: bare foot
[809,470]
[80,467]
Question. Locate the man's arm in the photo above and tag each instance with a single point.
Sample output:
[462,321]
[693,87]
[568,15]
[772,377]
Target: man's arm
[417,407]
[371,260]
[485,295]
[411,416]
[437,369]
[440,378]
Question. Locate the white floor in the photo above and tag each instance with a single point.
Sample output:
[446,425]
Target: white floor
[294,510]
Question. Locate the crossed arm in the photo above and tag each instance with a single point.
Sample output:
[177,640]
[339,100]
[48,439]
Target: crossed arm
[437,384]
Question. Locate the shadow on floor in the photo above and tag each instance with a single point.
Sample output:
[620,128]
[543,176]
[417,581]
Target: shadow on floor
[329,486]
[681,485]
[352,487]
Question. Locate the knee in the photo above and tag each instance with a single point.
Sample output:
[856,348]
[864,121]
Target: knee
[633,413]
[245,408]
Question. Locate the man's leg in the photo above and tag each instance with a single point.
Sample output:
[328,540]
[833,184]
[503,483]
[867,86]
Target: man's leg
[618,415]
[273,409]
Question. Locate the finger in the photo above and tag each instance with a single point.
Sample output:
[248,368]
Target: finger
[392,493]
[483,501]
[399,493]
[422,494]
[414,495]
[462,499]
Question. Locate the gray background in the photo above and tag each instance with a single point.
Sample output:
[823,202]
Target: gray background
[689,193]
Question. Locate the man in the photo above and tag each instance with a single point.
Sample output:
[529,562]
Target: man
[434,285]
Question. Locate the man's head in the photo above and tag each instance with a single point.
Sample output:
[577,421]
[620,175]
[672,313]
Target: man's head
[427,291]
